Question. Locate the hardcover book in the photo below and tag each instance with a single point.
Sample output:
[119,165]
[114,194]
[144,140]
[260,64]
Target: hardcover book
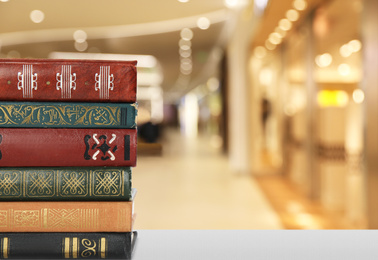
[68,115]
[67,80]
[67,245]
[69,184]
[66,216]
[71,147]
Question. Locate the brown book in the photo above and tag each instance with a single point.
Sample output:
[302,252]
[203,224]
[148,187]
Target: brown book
[78,216]
[67,80]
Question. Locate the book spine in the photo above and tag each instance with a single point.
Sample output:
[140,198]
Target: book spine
[68,115]
[69,184]
[62,216]
[67,245]
[56,147]
[67,80]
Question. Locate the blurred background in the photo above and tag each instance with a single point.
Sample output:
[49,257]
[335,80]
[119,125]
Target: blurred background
[253,114]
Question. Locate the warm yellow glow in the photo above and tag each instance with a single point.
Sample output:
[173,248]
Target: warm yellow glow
[281,32]
[186,34]
[183,1]
[80,36]
[346,50]
[81,46]
[285,24]
[37,16]
[270,46]
[323,60]
[336,98]
[275,38]
[344,69]
[300,4]
[355,45]
[260,52]
[358,96]
[292,15]
[203,23]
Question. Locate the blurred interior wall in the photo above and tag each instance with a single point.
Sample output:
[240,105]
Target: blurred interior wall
[370,86]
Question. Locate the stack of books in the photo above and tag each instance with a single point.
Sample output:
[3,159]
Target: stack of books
[67,144]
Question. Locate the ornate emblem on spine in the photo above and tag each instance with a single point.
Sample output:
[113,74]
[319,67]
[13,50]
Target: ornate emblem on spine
[26,218]
[104,82]
[3,218]
[74,183]
[107,183]
[101,147]
[40,184]
[66,81]
[27,81]
[10,183]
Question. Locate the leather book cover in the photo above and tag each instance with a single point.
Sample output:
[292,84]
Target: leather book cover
[68,115]
[67,80]
[65,184]
[71,147]
[66,216]
[67,245]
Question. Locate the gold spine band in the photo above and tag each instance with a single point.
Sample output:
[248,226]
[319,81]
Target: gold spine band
[74,247]
[67,247]
[103,247]
[5,248]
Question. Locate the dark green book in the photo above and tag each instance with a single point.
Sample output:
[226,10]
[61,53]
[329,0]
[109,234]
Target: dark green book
[64,115]
[67,245]
[71,183]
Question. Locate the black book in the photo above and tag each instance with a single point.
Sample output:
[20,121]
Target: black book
[67,245]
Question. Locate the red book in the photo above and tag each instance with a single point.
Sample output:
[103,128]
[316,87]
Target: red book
[67,80]
[24,147]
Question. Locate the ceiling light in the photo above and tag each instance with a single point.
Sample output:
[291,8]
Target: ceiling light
[358,96]
[323,60]
[183,1]
[203,23]
[37,16]
[81,46]
[300,4]
[355,45]
[186,34]
[80,36]
[346,50]
[261,4]
[260,52]
[292,15]
[4,1]
[185,53]
[275,38]
[344,69]
[270,46]
[285,24]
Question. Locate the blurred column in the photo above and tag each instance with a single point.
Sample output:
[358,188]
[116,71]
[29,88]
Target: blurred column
[238,93]
[370,86]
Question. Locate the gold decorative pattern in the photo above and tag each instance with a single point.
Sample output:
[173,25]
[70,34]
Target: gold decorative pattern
[103,247]
[10,184]
[74,183]
[26,218]
[107,183]
[4,247]
[40,184]
[62,218]
[3,218]
[90,248]
[50,183]
[59,115]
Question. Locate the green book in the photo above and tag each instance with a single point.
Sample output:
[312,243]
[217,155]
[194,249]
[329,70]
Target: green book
[68,115]
[70,183]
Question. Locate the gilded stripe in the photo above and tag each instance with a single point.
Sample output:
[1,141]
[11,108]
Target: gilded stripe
[5,247]
[103,247]
[67,247]
[74,247]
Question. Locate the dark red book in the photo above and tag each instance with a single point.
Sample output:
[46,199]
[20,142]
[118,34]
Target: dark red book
[25,147]
[67,80]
